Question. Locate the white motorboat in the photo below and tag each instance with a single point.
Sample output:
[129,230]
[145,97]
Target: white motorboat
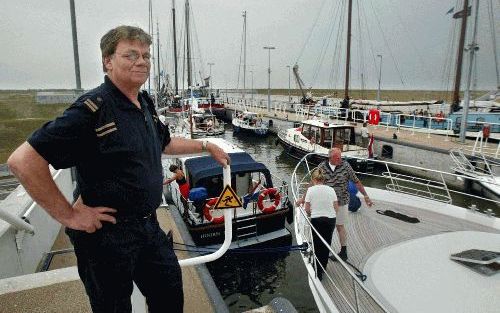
[318,137]
[265,205]
[249,122]
[402,252]
[202,124]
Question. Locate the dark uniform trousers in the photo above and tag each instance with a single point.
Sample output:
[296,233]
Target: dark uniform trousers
[131,250]
[325,227]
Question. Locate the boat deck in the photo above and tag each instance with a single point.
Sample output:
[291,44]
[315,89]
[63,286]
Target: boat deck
[377,231]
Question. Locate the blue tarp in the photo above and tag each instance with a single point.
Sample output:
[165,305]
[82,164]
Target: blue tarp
[242,162]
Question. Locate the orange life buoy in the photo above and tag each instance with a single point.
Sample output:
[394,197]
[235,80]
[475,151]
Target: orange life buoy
[271,192]
[373,117]
[439,117]
[486,130]
[208,215]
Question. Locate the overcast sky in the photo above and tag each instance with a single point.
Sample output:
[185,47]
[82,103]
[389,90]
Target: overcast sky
[413,38]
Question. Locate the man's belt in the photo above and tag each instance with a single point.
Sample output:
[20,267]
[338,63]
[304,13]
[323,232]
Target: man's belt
[134,218]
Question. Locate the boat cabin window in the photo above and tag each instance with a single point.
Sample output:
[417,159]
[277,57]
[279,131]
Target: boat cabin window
[342,137]
[242,183]
[296,138]
[311,132]
[315,134]
[259,178]
[327,141]
[214,185]
[306,131]
[245,183]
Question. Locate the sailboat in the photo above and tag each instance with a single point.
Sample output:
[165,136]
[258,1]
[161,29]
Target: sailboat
[245,120]
[206,97]
[200,123]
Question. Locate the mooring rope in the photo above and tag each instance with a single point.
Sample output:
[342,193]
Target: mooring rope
[281,249]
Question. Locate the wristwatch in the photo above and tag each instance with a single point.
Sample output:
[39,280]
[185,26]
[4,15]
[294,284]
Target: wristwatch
[204,145]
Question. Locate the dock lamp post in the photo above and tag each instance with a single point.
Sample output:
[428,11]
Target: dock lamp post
[269,48]
[289,94]
[379,76]
[210,75]
[251,99]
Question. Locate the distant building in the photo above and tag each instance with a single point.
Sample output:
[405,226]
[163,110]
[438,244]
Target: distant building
[53,97]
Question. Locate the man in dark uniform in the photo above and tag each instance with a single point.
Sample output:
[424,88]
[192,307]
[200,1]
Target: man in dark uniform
[114,138]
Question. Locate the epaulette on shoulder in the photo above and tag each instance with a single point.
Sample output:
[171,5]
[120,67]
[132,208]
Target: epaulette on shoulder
[93,103]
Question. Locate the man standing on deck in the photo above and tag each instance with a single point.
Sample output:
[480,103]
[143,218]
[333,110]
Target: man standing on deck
[364,135]
[337,175]
[113,136]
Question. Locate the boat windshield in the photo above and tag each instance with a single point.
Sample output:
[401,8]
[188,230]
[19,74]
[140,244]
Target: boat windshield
[243,183]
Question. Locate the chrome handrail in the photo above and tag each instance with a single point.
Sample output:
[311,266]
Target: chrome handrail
[228,231]
[17,222]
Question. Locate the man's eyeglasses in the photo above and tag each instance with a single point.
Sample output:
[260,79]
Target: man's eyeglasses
[133,56]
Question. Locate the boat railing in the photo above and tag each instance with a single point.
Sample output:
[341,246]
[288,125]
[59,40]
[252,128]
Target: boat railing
[421,187]
[479,125]
[440,184]
[22,223]
[462,163]
[18,223]
[482,147]
[390,120]
[430,123]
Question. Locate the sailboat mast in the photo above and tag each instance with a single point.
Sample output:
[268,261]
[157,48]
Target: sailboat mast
[188,48]
[244,52]
[471,49]
[348,57]
[176,84]
[458,75]
[150,32]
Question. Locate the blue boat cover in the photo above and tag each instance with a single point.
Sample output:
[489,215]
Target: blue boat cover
[241,162]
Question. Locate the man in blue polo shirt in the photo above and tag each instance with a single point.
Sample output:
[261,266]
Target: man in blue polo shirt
[114,139]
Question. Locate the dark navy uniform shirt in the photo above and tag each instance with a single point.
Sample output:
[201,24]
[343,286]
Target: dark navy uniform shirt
[115,147]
